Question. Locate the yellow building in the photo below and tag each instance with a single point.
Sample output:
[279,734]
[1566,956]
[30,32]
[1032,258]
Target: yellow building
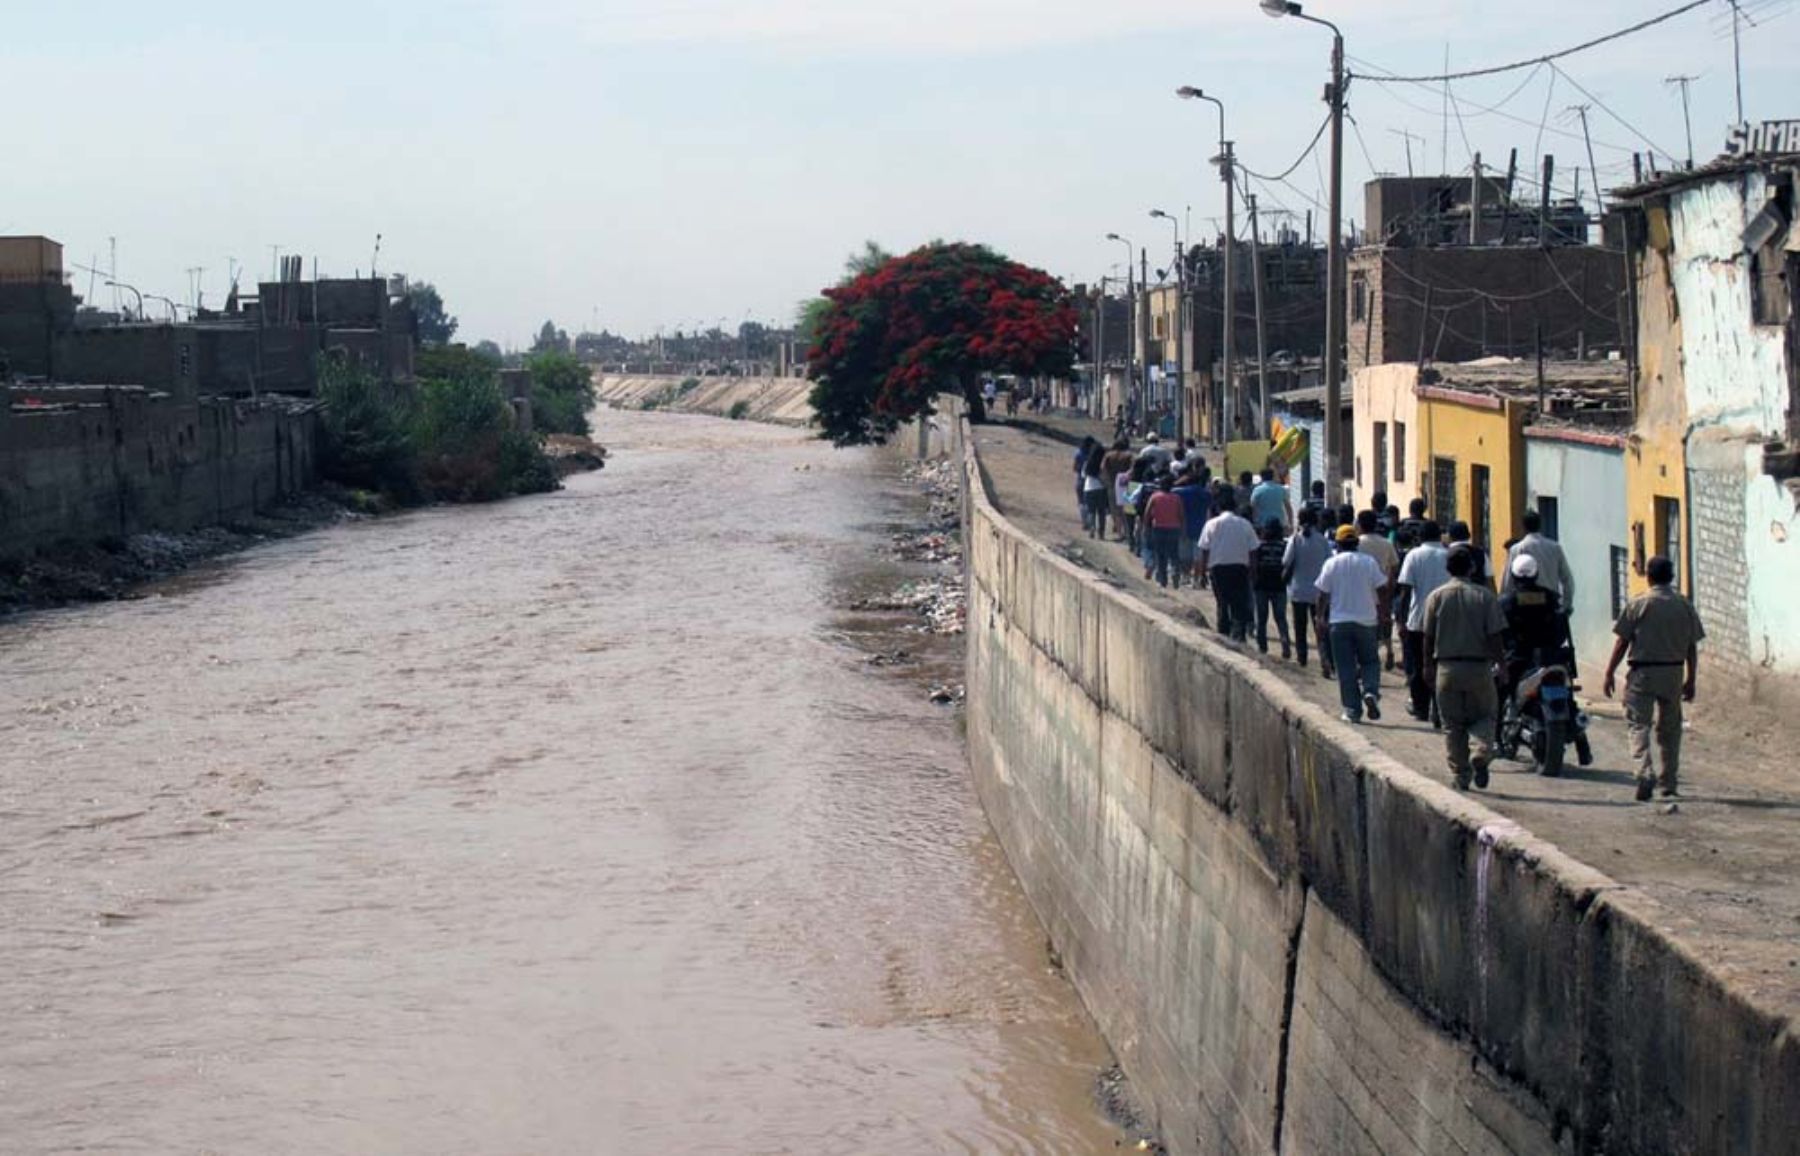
[1471,448]
[1655,453]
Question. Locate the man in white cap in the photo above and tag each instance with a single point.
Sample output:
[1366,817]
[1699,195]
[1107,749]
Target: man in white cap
[1537,629]
[1156,454]
[1552,564]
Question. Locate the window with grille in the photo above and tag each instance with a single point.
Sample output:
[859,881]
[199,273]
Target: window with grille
[1481,497]
[1359,296]
[1443,490]
[1381,453]
[1621,579]
[1400,471]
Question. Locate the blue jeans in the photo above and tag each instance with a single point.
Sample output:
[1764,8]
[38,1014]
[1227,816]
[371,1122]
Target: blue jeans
[1270,602]
[1358,662]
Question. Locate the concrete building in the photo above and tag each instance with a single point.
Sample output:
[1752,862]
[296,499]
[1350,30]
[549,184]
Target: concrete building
[1482,302]
[1712,474]
[1456,268]
[1575,479]
[36,303]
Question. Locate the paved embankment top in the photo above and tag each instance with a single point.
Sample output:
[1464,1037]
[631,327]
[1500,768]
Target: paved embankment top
[1721,867]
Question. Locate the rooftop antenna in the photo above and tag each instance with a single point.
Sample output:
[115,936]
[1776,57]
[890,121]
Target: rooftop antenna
[1408,138]
[1682,83]
[376,256]
[112,276]
[194,273]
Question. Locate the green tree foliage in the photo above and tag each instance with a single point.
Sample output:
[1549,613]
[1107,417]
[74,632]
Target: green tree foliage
[452,439]
[935,319]
[562,393]
[550,339]
[366,443]
[436,326]
[490,351]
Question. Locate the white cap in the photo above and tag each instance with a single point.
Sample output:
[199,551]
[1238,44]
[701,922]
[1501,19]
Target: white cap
[1525,566]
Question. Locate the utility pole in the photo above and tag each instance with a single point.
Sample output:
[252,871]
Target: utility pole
[1475,205]
[1335,296]
[1099,385]
[1687,120]
[1233,408]
[1262,333]
[1737,56]
[1581,110]
[1143,322]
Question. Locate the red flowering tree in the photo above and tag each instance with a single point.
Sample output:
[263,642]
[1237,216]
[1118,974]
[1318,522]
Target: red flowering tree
[936,319]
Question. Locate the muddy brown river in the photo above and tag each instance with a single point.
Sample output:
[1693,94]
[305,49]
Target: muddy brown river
[575,824]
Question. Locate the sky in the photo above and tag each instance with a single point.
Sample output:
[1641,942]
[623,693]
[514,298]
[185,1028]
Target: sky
[644,164]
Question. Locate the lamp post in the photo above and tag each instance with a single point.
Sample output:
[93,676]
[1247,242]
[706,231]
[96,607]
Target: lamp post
[135,293]
[1228,399]
[1334,252]
[165,301]
[1131,302]
[1180,326]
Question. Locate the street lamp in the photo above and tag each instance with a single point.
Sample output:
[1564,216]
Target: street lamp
[165,301]
[1180,326]
[1228,399]
[1130,303]
[135,293]
[1334,252]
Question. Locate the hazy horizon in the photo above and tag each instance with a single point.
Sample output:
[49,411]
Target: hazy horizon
[631,166]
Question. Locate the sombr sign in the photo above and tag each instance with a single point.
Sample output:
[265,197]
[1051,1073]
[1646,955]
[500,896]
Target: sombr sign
[1771,136]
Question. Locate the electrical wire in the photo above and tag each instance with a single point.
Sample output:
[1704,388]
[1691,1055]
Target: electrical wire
[1602,106]
[1547,57]
[1526,121]
[1300,160]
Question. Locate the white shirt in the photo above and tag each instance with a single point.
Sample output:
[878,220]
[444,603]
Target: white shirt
[1553,566]
[1156,453]
[1351,580]
[1228,540]
[1425,569]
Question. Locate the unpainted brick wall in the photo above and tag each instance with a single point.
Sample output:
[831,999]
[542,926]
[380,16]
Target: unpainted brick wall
[1720,582]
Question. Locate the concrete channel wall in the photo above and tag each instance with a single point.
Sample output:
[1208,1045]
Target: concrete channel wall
[780,400]
[1296,944]
[87,464]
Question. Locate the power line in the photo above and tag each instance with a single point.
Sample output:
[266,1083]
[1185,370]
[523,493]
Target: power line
[1629,127]
[1496,111]
[1546,58]
[1300,160]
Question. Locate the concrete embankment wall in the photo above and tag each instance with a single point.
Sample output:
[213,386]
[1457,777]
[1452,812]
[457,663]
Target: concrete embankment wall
[88,464]
[1294,943]
[782,400]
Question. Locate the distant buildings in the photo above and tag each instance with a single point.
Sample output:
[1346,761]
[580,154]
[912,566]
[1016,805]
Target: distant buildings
[270,343]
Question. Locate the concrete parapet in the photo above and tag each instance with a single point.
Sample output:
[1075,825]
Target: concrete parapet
[1296,943]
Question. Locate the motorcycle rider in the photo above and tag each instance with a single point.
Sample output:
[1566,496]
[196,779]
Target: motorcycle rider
[1537,630]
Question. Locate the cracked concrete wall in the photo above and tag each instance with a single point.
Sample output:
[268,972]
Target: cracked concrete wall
[1294,943]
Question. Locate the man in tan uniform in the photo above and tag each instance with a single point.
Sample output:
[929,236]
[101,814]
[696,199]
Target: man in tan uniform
[1662,632]
[1464,635]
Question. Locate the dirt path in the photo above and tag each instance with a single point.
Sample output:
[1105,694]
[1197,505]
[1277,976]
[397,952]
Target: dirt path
[1724,861]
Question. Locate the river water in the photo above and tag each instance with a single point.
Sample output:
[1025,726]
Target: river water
[570,824]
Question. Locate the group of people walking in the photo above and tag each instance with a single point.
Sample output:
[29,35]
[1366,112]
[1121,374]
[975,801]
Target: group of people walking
[1349,578]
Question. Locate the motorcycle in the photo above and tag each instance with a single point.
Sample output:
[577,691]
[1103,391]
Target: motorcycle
[1541,717]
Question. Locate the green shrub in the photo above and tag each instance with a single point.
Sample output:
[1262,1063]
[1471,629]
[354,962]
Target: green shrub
[687,386]
[739,410]
[562,393]
[366,443]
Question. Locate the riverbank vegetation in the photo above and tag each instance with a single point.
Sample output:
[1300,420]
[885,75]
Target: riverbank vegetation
[450,437]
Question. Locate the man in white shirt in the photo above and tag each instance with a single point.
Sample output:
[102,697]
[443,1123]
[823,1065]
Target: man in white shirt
[1226,543]
[1349,595]
[1425,569]
[1374,542]
[1553,565]
[1156,454]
